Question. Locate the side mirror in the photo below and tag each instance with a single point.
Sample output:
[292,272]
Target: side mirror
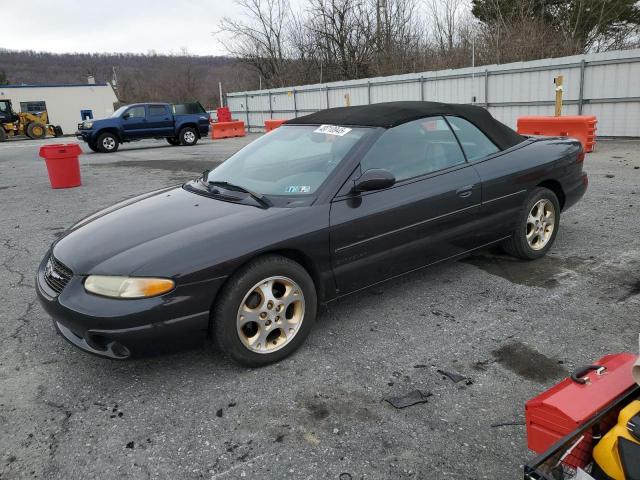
[374,179]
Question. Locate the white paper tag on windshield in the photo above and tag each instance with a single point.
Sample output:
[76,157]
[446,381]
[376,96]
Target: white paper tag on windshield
[332,130]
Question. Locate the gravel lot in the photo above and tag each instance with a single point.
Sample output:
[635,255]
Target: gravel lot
[512,328]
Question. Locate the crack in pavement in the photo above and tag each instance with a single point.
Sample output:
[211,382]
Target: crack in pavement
[12,247]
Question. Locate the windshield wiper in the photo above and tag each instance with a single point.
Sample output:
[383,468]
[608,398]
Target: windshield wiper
[258,197]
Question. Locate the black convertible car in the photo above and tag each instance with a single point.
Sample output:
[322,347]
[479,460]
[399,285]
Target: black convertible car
[324,206]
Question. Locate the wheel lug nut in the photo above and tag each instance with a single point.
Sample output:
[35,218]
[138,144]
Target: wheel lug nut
[270,305]
[263,315]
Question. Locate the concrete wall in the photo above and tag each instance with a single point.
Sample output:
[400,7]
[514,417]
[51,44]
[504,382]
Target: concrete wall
[64,102]
[606,85]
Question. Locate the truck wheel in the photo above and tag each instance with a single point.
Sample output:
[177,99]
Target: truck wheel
[188,136]
[36,130]
[3,134]
[173,141]
[107,143]
[537,226]
[58,131]
[93,147]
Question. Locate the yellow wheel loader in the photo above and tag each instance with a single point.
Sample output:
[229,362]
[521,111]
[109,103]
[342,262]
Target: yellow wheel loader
[33,125]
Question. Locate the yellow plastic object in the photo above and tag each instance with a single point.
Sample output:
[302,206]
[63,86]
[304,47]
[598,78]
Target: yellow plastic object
[605,452]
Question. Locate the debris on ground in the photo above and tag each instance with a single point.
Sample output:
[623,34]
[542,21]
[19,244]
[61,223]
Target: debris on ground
[453,376]
[507,424]
[412,398]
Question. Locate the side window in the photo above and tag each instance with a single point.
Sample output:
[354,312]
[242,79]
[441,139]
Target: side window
[136,112]
[415,148]
[157,110]
[475,143]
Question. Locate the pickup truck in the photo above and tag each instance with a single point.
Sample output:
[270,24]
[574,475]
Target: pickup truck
[180,124]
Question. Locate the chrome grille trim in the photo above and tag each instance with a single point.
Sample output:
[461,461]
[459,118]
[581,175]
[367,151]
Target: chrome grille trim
[56,274]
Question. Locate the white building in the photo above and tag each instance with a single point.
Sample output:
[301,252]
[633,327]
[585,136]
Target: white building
[67,105]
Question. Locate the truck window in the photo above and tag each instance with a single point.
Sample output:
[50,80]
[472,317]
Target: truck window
[136,112]
[157,110]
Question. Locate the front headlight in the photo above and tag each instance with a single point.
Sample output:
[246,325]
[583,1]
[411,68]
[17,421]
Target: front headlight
[127,287]
[87,125]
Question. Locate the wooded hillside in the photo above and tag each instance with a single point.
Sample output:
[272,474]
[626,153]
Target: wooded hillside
[170,78]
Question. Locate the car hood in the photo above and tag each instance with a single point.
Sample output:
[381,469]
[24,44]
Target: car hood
[170,232]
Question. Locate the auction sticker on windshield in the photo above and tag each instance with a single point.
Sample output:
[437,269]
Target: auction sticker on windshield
[332,130]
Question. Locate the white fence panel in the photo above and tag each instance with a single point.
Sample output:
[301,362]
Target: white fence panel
[603,84]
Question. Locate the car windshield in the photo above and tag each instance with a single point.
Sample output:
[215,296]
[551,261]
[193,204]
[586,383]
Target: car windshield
[290,160]
[119,112]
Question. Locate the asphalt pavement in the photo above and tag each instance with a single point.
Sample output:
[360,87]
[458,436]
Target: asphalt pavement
[510,328]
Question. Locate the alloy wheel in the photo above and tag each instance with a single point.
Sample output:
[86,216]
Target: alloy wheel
[270,314]
[541,222]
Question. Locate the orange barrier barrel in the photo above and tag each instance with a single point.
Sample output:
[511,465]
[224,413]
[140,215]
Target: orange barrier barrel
[227,129]
[224,114]
[581,127]
[272,124]
[62,163]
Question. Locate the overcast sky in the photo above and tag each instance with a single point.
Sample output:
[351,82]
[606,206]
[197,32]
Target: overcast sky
[138,26]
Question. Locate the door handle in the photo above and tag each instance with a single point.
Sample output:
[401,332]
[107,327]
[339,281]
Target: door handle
[465,192]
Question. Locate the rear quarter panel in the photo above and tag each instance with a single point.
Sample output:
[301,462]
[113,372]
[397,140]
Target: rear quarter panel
[508,177]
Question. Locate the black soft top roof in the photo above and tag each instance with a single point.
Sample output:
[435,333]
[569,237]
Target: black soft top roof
[392,114]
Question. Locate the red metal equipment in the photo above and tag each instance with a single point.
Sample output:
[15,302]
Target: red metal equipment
[568,405]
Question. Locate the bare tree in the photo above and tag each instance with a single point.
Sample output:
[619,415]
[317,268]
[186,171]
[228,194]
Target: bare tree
[260,38]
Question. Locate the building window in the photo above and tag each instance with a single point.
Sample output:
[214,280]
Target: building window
[33,107]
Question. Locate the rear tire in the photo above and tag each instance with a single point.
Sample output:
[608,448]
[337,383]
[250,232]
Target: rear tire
[36,131]
[3,135]
[188,136]
[58,131]
[537,227]
[265,311]
[173,141]
[107,143]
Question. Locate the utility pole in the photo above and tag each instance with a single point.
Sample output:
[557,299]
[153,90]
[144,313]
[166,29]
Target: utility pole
[220,90]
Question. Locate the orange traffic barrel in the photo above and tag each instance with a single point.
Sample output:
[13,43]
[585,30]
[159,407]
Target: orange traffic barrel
[62,163]
[272,124]
[581,127]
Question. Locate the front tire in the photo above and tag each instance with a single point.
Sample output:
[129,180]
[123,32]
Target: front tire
[107,143]
[93,147]
[188,136]
[36,131]
[265,311]
[537,226]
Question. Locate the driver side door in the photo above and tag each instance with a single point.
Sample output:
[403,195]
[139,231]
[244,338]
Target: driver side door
[134,122]
[425,217]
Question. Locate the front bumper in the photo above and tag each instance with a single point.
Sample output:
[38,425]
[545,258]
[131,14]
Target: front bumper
[85,135]
[121,329]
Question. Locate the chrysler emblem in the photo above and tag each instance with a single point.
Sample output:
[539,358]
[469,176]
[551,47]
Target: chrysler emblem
[50,272]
